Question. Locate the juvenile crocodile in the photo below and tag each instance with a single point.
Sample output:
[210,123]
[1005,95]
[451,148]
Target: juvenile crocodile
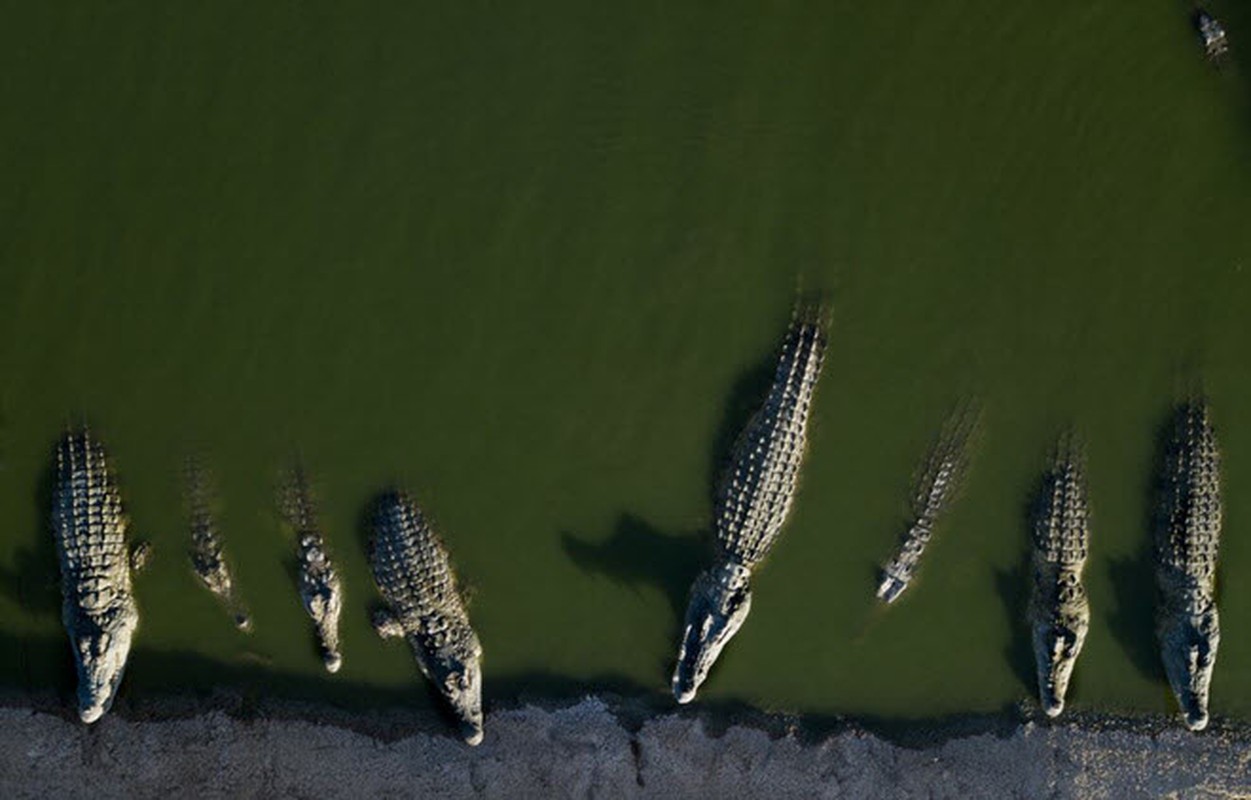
[207,558]
[1187,537]
[1059,609]
[752,503]
[99,610]
[321,590]
[414,575]
[940,480]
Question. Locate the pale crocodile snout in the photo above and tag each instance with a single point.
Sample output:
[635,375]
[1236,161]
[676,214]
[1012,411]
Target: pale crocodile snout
[720,602]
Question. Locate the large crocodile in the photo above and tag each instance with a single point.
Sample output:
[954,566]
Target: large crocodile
[99,610]
[207,558]
[1187,536]
[939,482]
[414,575]
[753,501]
[321,590]
[1059,610]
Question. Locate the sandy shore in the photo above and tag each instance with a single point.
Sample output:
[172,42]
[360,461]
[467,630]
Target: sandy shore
[596,748]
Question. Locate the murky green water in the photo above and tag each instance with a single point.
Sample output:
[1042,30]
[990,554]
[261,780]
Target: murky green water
[529,260]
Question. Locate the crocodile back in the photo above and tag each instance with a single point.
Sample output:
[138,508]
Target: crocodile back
[757,492]
[410,562]
[1061,529]
[1189,533]
[89,524]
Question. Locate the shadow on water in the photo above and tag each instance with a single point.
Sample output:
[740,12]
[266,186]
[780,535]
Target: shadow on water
[1133,577]
[637,554]
[1013,587]
[33,582]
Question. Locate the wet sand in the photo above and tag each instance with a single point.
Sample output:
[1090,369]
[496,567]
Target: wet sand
[604,748]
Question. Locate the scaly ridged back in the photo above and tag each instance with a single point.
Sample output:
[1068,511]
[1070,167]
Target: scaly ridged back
[89,524]
[756,496]
[1061,532]
[1190,535]
[410,563]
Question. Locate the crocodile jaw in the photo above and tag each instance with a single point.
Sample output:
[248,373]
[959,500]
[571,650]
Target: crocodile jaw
[461,683]
[101,659]
[720,602]
[1189,647]
[1056,646]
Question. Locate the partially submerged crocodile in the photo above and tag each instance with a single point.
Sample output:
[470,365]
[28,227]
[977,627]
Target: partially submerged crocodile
[1187,538]
[1059,609]
[207,558]
[752,504]
[414,575]
[940,480]
[1212,34]
[99,610]
[321,590]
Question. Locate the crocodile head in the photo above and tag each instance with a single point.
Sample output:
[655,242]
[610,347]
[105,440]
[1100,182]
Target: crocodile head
[1189,644]
[459,680]
[1056,645]
[101,659]
[720,601]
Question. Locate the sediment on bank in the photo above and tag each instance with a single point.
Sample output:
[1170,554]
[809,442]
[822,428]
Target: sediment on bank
[598,747]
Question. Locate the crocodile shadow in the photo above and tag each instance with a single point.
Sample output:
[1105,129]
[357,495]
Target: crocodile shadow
[33,582]
[1133,577]
[638,554]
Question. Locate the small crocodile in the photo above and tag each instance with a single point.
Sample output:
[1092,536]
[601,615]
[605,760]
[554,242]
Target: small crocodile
[414,575]
[940,480]
[752,503]
[1059,609]
[1187,537]
[321,590]
[99,609]
[207,558]
[1212,34]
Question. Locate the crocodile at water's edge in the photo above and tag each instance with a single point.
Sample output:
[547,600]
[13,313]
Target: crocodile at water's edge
[321,590]
[1059,608]
[207,558]
[99,610]
[752,504]
[423,605]
[1187,537]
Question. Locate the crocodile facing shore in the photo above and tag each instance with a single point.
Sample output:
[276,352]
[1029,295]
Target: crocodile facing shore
[1059,609]
[207,559]
[99,610]
[752,504]
[1187,537]
[321,590]
[423,605]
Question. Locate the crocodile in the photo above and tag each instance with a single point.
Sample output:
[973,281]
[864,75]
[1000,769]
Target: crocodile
[1187,537]
[321,590]
[1059,608]
[751,503]
[941,476]
[99,611]
[207,558]
[414,575]
[1211,34]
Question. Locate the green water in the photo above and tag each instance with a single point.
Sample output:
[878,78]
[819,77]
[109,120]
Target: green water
[528,260]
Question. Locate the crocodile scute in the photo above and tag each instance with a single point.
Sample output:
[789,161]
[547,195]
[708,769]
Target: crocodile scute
[1059,608]
[1187,538]
[98,608]
[422,604]
[752,503]
[320,587]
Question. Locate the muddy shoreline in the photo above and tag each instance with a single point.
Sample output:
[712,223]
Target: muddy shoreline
[605,746]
